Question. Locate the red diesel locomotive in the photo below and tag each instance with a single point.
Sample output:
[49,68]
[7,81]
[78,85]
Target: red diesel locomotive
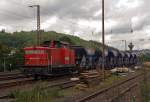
[52,58]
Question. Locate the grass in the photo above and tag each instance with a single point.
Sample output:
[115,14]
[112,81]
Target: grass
[107,82]
[145,91]
[37,94]
[111,79]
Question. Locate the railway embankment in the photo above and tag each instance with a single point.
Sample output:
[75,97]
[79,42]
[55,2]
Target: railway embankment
[122,87]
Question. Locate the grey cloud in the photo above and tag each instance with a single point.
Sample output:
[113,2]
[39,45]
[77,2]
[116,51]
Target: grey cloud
[17,14]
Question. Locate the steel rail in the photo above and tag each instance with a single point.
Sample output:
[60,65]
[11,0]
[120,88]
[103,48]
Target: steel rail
[84,99]
[9,77]
[15,83]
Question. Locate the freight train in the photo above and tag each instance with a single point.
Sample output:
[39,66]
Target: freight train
[58,58]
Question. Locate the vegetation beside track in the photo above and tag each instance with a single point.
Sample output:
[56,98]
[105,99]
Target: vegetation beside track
[145,84]
[145,91]
[37,94]
[147,57]
[93,87]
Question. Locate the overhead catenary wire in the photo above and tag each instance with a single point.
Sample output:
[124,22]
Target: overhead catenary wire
[140,42]
[129,40]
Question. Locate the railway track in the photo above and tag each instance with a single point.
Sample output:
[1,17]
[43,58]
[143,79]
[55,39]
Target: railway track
[23,81]
[71,83]
[18,78]
[2,74]
[68,83]
[10,79]
[15,82]
[12,76]
[110,93]
[62,84]
[5,86]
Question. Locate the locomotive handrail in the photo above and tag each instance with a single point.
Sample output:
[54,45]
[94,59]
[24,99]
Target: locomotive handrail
[35,58]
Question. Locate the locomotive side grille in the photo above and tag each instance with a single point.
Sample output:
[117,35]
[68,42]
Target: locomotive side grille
[36,57]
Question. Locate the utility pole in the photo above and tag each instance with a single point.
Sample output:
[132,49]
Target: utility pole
[125,45]
[103,39]
[92,38]
[38,23]
[4,64]
[125,42]
[131,26]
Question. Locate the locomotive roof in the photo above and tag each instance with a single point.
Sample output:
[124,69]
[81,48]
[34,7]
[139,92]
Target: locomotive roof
[33,48]
[46,43]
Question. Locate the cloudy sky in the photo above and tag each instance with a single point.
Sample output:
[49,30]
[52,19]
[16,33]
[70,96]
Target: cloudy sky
[83,18]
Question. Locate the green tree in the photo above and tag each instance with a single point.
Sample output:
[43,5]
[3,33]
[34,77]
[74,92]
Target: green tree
[4,53]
